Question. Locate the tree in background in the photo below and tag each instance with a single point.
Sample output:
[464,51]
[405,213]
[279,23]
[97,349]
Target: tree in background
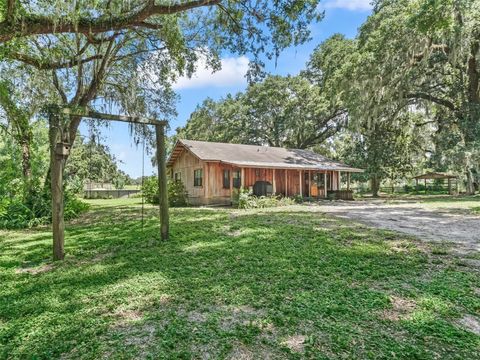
[386,150]
[424,54]
[92,161]
[279,111]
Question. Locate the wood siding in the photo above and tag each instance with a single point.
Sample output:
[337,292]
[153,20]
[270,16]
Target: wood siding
[186,164]
[287,182]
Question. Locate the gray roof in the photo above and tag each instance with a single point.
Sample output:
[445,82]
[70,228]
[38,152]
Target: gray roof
[258,156]
[434,175]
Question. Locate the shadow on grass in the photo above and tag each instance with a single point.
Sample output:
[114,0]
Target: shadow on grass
[227,280]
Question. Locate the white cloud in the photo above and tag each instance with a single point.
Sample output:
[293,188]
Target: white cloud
[232,73]
[353,5]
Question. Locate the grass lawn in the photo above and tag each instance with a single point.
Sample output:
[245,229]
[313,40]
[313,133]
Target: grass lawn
[280,283]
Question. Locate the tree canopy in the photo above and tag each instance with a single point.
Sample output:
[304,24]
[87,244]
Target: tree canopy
[424,55]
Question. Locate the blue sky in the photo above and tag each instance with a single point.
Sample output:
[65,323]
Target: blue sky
[341,16]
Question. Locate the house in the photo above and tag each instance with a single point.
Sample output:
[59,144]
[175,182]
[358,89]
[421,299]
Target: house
[211,171]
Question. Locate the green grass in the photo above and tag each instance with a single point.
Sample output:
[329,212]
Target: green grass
[284,283]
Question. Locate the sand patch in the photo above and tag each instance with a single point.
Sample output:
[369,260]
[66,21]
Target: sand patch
[295,343]
[35,270]
[470,323]
[401,309]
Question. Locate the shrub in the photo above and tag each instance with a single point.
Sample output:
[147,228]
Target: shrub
[74,206]
[35,209]
[244,199]
[150,190]
[177,195]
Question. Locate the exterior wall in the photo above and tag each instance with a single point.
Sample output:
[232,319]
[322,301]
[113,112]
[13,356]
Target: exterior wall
[211,191]
[254,175]
[214,191]
[185,165]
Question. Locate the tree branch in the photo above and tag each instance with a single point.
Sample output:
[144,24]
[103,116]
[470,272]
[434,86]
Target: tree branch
[36,25]
[10,9]
[432,48]
[428,97]
[57,85]
[54,65]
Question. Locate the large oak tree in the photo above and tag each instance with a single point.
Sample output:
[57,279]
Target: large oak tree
[125,55]
[424,54]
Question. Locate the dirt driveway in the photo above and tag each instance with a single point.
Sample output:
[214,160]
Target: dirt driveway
[440,222]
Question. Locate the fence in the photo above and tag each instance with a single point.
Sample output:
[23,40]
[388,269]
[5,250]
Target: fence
[109,194]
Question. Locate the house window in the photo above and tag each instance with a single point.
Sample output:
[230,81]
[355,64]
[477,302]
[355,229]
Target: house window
[237,179]
[177,176]
[226,179]
[319,179]
[198,177]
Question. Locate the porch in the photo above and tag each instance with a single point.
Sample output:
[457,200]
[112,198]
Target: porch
[316,184]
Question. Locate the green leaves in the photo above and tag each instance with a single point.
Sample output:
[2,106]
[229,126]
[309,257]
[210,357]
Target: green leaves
[280,111]
[433,16]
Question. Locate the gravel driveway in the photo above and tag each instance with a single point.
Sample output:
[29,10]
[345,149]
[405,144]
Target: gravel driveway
[436,222]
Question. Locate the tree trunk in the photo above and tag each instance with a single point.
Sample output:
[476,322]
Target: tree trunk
[375,185]
[26,165]
[470,182]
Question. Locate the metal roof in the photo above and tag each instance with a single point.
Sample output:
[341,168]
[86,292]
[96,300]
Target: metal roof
[258,156]
[435,175]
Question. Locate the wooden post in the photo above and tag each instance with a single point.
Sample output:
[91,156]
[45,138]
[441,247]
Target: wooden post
[58,154]
[242,178]
[286,182]
[274,183]
[416,185]
[425,186]
[162,181]
[301,182]
[58,223]
[348,181]
[449,186]
[325,183]
[309,183]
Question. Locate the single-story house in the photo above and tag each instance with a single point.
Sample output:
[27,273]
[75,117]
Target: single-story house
[210,171]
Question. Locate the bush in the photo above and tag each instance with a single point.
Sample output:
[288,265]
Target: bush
[35,209]
[244,199]
[177,195]
[74,206]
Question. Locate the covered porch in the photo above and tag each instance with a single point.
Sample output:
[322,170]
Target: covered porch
[315,184]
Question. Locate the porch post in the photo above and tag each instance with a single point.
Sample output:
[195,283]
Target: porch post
[339,180]
[309,183]
[301,182]
[325,183]
[348,181]
[274,183]
[286,182]
[242,178]
[449,186]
